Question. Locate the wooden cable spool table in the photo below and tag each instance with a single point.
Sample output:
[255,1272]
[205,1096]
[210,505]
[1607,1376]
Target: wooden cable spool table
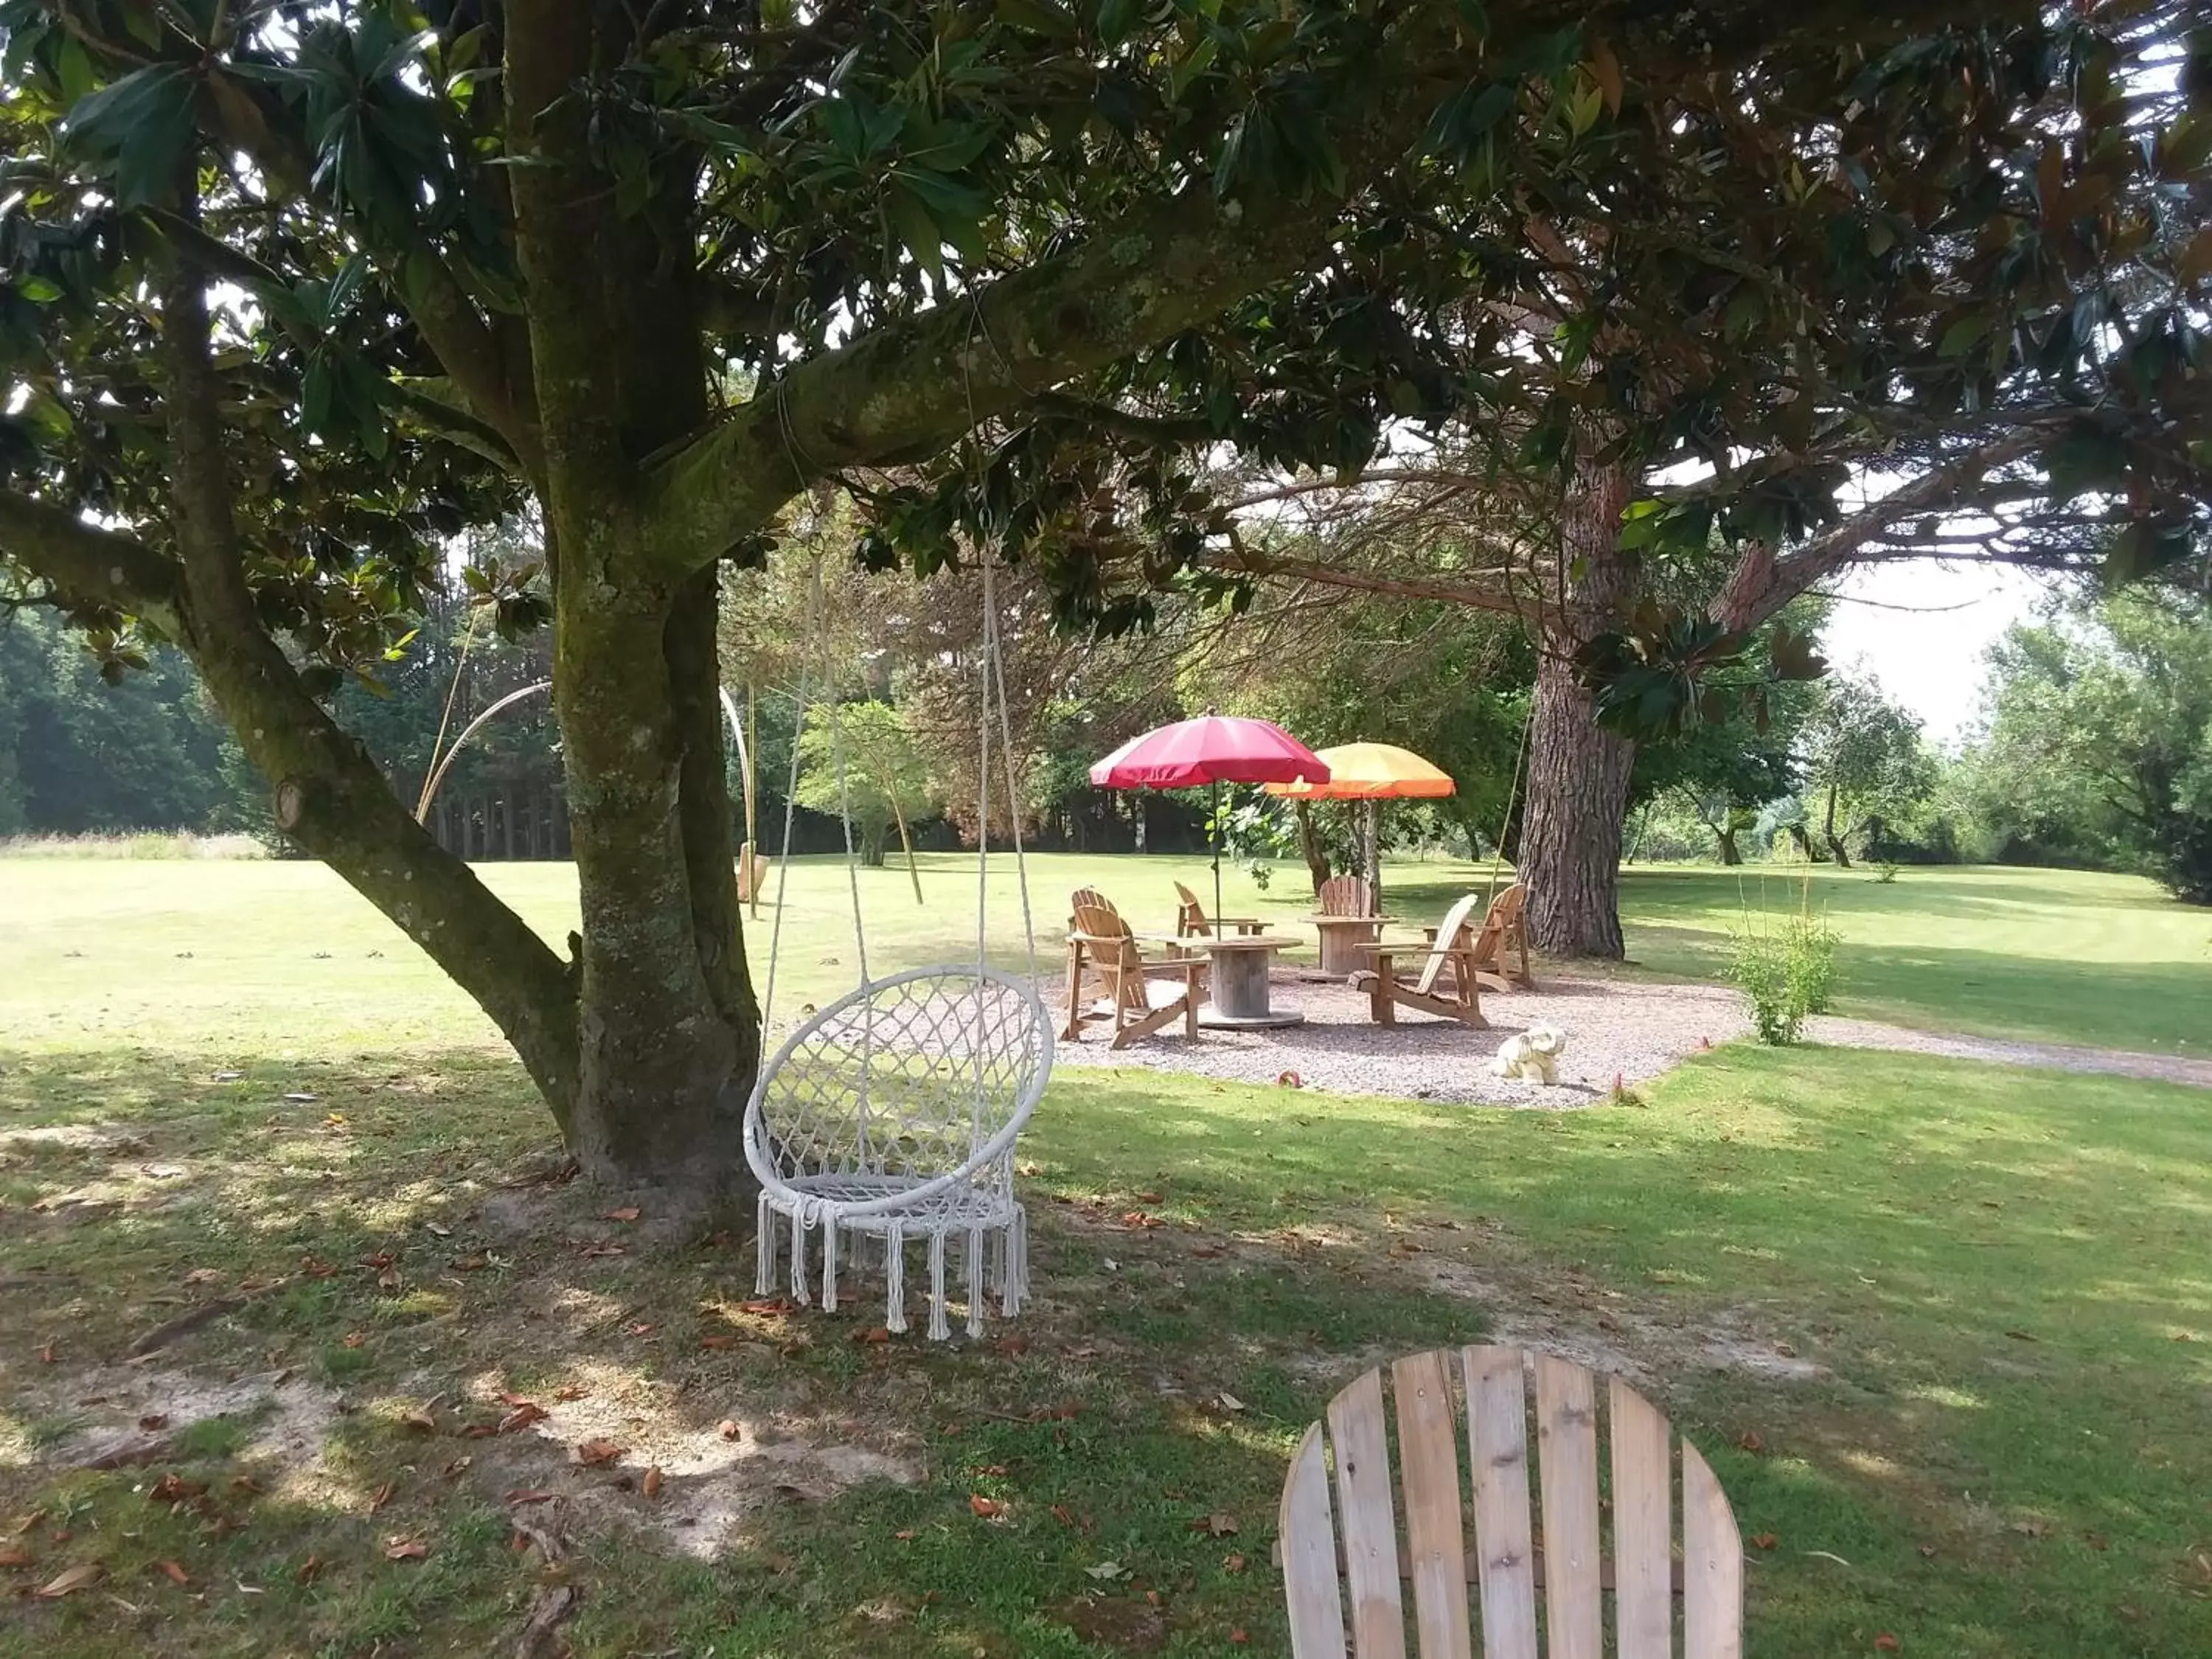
[1238,982]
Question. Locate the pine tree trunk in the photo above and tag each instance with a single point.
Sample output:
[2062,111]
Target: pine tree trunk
[1578,772]
[1730,854]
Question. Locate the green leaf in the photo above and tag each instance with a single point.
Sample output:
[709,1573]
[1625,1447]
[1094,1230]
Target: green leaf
[916,227]
[39,290]
[1117,18]
[144,124]
[1960,337]
[2196,262]
[1475,16]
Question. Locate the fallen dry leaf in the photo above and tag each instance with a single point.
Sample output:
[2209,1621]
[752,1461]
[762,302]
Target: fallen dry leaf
[1886,1643]
[628,1212]
[12,1557]
[1013,1347]
[1228,1402]
[718,1342]
[70,1583]
[772,1305]
[469,1264]
[309,1569]
[1148,1198]
[873,1333]
[988,1507]
[1238,1636]
[1063,1515]
[533,1496]
[381,1260]
[45,1357]
[602,1247]
[404,1549]
[570,1391]
[457,1468]
[1220,1524]
[1763,1541]
[203,1276]
[173,1488]
[379,1498]
[525,1414]
[154,1420]
[173,1571]
[1233,1564]
[728,1429]
[1752,1441]
[315,1267]
[1928,1551]
[593,1453]
[353,1339]
[642,1329]
[28,1522]
[388,1280]
[419,1419]
[649,1486]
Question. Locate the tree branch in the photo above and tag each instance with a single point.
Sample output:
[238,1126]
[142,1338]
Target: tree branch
[92,566]
[1763,583]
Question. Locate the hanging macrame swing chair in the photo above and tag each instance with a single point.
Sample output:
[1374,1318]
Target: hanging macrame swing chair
[891,1113]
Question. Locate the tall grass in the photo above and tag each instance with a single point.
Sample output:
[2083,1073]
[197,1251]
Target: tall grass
[133,844]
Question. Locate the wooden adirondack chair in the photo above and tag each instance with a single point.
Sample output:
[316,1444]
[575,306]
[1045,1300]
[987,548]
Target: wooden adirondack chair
[1192,921]
[1504,936]
[752,873]
[1098,937]
[1345,917]
[1450,947]
[1628,1581]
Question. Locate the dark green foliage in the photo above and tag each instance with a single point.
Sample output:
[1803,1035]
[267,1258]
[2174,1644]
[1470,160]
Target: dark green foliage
[78,754]
[2099,748]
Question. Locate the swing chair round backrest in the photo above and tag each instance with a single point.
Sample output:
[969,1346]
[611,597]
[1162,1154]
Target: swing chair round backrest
[900,1090]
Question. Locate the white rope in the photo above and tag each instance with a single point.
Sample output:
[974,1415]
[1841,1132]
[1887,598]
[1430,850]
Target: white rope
[994,653]
[791,790]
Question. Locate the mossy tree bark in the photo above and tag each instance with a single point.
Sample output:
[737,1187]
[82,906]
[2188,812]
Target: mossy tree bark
[1578,771]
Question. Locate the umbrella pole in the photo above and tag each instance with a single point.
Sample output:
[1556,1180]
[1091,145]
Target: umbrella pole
[1216,827]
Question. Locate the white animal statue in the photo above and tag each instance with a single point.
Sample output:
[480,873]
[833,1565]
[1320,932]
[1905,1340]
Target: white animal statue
[1533,1056]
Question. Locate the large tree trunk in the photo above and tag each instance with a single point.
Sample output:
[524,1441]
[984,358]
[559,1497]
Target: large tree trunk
[1725,834]
[1828,831]
[1578,772]
[669,1031]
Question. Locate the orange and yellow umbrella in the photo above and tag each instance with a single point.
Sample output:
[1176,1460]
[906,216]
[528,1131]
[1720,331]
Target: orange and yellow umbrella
[1370,771]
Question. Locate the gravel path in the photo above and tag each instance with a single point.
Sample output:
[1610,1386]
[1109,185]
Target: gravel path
[1634,1032]
[1618,1027]
[2056,1056]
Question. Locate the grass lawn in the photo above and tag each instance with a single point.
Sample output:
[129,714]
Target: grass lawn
[1945,1330]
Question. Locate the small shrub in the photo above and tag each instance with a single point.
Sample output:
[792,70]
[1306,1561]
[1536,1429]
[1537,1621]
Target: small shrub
[1808,952]
[1786,975]
[1884,874]
[1757,967]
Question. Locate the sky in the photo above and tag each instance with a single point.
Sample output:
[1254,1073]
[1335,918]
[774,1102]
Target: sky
[1920,630]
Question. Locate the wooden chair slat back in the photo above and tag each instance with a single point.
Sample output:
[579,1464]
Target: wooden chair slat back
[1309,1535]
[1566,1459]
[1355,1543]
[1428,1429]
[1191,920]
[1346,896]
[1455,924]
[1712,1565]
[1497,1443]
[1371,1527]
[1643,1528]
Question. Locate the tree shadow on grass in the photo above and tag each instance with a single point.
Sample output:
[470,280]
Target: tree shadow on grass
[1895,1218]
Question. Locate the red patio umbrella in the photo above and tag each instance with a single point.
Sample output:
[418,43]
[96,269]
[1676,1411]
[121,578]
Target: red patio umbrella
[1212,749]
